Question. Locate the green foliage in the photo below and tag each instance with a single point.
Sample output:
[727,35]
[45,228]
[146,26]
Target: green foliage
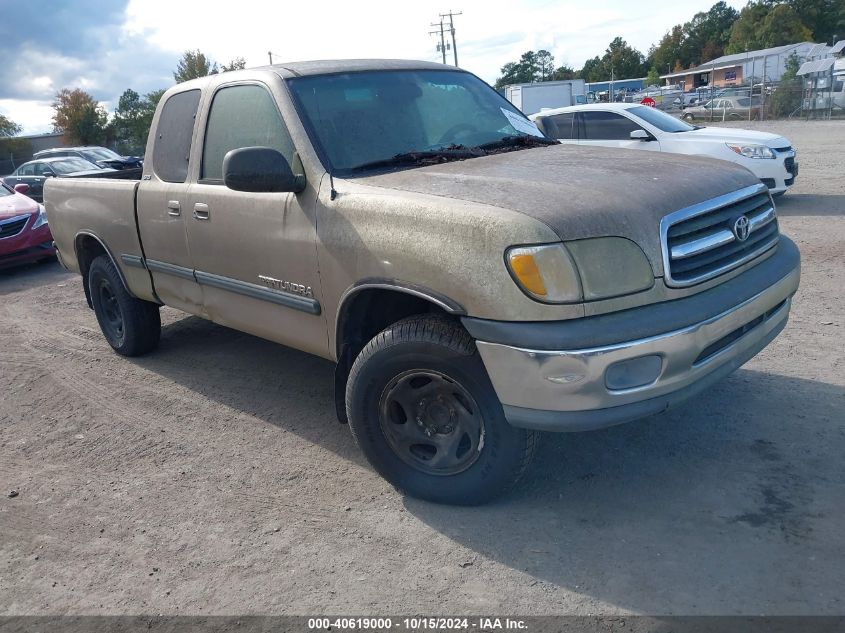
[653,77]
[564,72]
[80,117]
[695,42]
[133,116]
[194,64]
[787,97]
[239,63]
[8,127]
[763,24]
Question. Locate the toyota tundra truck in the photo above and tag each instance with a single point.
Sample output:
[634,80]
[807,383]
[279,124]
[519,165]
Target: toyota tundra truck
[475,282]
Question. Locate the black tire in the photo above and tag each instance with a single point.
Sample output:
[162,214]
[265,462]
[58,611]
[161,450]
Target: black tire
[688,118]
[131,326]
[778,194]
[457,411]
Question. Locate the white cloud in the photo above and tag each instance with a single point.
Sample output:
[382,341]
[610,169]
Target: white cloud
[35,116]
[142,51]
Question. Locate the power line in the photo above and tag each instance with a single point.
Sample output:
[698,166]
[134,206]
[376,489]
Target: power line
[441,46]
[451,17]
[441,30]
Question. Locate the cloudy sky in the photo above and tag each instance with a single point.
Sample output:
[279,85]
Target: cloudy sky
[106,46]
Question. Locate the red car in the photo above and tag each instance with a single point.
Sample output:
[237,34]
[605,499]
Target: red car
[24,233]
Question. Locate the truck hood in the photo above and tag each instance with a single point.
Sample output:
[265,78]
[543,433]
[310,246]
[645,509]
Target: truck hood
[731,135]
[580,192]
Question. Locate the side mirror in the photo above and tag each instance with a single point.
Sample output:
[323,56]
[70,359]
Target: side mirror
[49,174]
[22,187]
[641,135]
[260,170]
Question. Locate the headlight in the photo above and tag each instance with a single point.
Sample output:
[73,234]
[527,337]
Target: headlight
[546,273]
[582,270]
[752,151]
[611,267]
[41,220]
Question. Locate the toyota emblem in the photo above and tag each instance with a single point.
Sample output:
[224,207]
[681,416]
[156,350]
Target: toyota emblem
[742,228]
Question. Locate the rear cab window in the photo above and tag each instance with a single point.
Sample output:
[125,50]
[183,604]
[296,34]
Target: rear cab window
[560,126]
[173,136]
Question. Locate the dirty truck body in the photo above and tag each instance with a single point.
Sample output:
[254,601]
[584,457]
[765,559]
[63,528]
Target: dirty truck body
[474,283]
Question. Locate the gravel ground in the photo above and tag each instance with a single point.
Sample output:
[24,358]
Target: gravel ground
[212,477]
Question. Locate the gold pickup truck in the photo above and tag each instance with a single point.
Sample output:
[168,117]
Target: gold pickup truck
[474,281]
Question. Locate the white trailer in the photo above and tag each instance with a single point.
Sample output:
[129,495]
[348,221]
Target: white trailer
[531,98]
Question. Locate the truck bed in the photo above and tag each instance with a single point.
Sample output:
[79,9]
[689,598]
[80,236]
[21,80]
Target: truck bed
[103,209]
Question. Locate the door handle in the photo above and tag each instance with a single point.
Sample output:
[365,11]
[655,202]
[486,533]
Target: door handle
[174,208]
[201,211]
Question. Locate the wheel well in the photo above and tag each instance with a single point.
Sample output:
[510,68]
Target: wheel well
[363,316]
[88,248]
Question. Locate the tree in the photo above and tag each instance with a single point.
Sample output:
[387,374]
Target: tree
[787,97]
[695,42]
[132,119]
[591,70]
[763,25]
[239,63]
[653,77]
[564,72]
[8,127]
[80,117]
[545,64]
[193,64]
[620,60]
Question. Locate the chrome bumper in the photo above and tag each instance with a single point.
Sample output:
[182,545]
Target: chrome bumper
[567,390]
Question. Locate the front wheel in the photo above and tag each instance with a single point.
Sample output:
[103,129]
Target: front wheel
[131,326]
[688,118]
[424,413]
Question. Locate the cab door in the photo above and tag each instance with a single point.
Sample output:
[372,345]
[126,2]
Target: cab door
[254,254]
[162,203]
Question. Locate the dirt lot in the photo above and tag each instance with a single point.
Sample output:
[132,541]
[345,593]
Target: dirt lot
[212,477]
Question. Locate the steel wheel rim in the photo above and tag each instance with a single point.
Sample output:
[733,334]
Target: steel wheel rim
[112,316]
[431,422]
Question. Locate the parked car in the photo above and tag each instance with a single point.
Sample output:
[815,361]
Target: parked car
[631,126]
[24,232]
[473,280]
[730,108]
[100,156]
[35,172]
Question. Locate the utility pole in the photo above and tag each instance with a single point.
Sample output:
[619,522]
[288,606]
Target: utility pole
[451,17]
[442,45]
[271,57]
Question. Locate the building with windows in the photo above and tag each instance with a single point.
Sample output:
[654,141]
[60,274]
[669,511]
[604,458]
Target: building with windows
[762,66]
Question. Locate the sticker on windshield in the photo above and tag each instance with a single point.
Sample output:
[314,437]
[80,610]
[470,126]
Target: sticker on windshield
[521,125]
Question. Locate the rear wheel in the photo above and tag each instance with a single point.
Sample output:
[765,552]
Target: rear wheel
[424,413]
[131,326]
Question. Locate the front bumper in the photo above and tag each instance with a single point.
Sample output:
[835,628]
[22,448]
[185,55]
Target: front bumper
[778,174]
[568,389]
[28,245]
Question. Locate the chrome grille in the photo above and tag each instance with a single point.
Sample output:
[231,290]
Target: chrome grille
[700,242]
[12,226]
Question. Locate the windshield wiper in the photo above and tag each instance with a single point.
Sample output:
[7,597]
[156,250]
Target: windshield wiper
[522,141]
[425,157]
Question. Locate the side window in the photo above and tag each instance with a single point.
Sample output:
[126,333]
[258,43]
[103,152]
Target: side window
[41,169]
[27,170]
[561,126]
[173,136]
[242,116]
[607,126]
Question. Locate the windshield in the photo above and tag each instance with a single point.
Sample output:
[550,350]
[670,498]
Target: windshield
[5,190]
[360,118]
[101,153]
[661,120]
[70,165]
